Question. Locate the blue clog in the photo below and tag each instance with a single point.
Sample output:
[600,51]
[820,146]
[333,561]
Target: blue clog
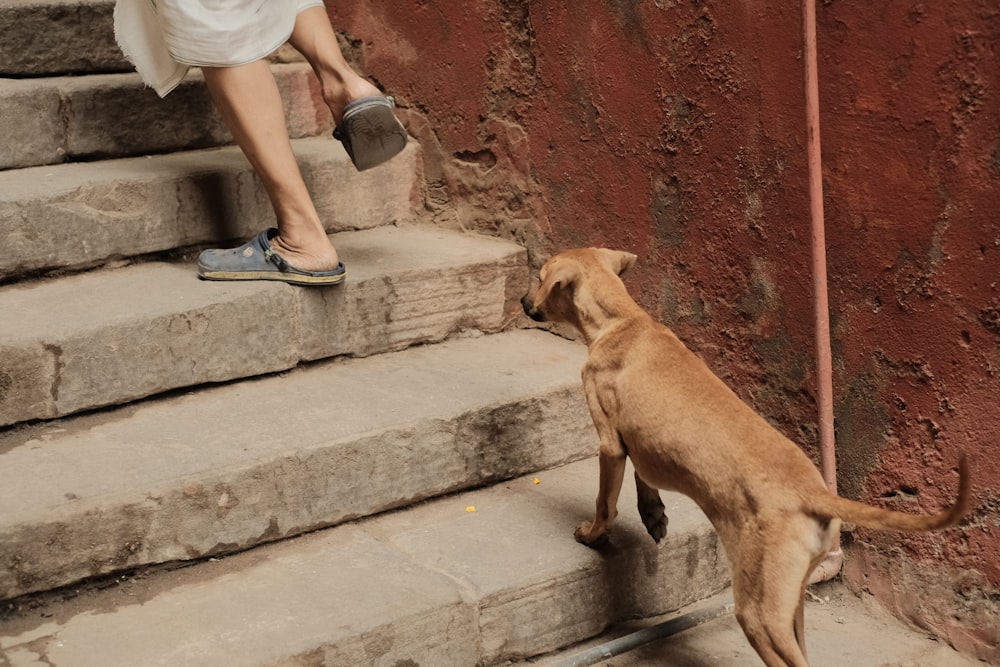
[256,260]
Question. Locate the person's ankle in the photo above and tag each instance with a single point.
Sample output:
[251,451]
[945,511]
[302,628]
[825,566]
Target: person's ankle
[321,255]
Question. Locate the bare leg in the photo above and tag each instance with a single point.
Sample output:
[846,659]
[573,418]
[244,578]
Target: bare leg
[248,99]
[314,38]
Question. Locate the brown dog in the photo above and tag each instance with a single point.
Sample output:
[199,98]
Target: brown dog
[653,400]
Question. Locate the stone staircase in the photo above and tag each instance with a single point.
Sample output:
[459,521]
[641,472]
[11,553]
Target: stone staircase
[202,473]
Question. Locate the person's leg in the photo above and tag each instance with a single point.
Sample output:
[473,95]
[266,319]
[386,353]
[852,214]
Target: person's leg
[366,123]
[314,38]
[248,99]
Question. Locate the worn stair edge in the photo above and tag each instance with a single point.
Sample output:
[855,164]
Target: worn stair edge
[228,467]
[74,216]
[108,337]
[436,584]
[59,119]
[44,37]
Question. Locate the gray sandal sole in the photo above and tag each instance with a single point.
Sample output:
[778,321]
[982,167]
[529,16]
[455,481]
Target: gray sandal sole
[370,132]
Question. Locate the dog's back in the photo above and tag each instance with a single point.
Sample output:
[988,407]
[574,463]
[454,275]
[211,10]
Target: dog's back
[669,405]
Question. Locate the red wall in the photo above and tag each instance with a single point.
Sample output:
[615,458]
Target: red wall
[675,129]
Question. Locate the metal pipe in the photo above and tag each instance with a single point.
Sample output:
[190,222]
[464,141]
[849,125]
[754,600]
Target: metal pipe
[639,638]
[824,364]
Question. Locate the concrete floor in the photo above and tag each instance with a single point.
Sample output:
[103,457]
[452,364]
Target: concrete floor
[841,630]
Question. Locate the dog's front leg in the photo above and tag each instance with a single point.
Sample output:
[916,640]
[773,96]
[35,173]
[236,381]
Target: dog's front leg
[593,533]
[651,509]
[611,458]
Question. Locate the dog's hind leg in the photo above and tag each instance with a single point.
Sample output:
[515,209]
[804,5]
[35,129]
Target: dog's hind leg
[651,509]
[768,595]
[826,533]
[800,624]
[773,639]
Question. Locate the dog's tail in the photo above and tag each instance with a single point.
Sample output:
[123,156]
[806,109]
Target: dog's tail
[831,506]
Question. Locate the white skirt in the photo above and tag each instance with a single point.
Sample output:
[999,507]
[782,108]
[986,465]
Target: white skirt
[163,38]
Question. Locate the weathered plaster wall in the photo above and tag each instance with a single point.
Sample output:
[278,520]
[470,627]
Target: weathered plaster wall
[913,182]
[674,129]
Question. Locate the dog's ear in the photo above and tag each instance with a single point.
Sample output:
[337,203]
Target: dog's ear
[562,275]
[618,260]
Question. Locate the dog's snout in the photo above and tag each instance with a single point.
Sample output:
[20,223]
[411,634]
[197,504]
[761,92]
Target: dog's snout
[530,310]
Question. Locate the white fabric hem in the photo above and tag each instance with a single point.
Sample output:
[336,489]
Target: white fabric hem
[143,39]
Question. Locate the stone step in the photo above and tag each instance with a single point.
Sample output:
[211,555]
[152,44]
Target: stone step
[479,578]
[107,337]
[59,119]
[225,468]
[46,37]
[73,216]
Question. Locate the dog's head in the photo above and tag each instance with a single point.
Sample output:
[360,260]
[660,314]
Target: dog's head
[562,278]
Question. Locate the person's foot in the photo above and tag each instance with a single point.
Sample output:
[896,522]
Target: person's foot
[320,255]
[258,259]
[338,97]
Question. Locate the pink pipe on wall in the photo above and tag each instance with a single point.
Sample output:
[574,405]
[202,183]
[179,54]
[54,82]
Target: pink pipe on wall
[824,366]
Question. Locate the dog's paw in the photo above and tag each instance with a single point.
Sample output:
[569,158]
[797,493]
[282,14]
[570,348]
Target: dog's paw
[651,511]
[585,534]
[656,526]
